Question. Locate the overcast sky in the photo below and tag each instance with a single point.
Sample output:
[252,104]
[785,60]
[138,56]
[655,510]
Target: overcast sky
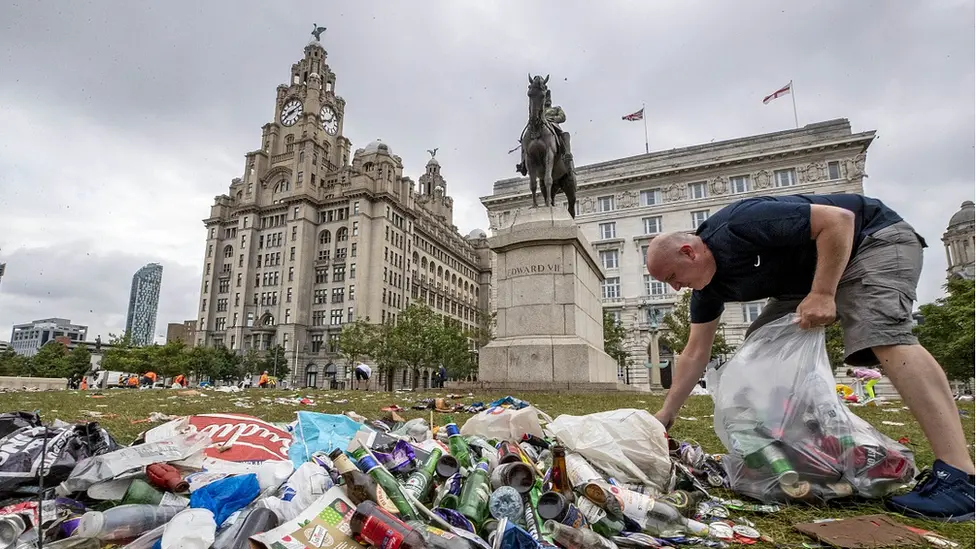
[121,120]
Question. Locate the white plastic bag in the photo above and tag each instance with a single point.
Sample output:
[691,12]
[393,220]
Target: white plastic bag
[505,423]
[627,444]
[790,438]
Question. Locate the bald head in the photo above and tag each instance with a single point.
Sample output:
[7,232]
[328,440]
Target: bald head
[680,260]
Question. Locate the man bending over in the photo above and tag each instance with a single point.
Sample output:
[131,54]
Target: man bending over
[843,256]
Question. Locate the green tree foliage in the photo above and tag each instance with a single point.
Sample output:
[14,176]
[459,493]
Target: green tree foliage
[678,326]
[357,341]
[12,364]
[835,345]
[948,330]
[417,339]
[275,362]
[614,336]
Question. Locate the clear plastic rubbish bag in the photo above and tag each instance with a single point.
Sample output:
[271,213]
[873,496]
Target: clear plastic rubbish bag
[789,436]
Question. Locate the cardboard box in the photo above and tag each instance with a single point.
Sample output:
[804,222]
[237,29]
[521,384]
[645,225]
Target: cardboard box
[324,525]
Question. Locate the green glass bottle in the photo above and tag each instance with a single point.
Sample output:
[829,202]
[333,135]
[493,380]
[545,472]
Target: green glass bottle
[420,482]
[459,448]
[389,484]
[475,494]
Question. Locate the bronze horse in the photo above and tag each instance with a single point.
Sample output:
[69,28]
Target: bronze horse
[543,155]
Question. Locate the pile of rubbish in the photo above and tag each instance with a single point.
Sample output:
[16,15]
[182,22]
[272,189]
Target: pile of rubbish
[510,477]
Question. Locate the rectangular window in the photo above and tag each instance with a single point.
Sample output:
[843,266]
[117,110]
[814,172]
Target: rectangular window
[291,274]
[321,276]
[288,295]
[750,311]
[785,178]
[655,315]
[652,225]
[611,288]
[352,271]
[699,217]
[352,292]
[300,174]
[608,230]
[605,203]
[335,317]
[317,343]
[610,259]
[294,233]
[355,208]
[338,294]
[739,184]
[287,316]
[654,287]
[833,170]
[650,197]
[318,318]
[291,256]
[698,190]
[355,228]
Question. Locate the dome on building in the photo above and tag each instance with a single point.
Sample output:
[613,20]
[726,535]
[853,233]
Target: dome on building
[378,146]
[966,214]
[433,162]
[476,234]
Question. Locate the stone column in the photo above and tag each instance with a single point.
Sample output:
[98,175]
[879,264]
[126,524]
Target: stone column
[549,323]
[655,359]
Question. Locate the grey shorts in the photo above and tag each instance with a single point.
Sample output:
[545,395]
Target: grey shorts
[874,297]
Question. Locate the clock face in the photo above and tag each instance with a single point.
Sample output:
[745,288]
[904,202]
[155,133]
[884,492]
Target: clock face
[291,111]
[330,120]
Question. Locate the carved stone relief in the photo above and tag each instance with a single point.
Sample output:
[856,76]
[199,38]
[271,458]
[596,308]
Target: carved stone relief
[674,193]
[627,199]
[762,179]
[586,205]
[719,185]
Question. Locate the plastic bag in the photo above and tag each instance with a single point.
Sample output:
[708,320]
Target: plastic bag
[627,444]
[505,423]
[789,436]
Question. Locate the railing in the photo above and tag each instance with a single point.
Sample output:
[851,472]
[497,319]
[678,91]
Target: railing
[282,157]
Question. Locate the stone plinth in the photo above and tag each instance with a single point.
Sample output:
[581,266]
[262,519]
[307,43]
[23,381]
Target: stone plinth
[549,323]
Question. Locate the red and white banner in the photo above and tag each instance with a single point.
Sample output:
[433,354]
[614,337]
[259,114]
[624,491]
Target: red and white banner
[778,93]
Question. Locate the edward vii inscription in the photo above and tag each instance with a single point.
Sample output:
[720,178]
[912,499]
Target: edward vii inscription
[540,268]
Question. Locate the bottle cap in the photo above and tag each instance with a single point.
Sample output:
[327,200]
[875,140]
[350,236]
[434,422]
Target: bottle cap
[90,525]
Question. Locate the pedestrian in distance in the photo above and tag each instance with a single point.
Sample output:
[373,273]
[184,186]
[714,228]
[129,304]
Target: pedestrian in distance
[824,257]
[362,373]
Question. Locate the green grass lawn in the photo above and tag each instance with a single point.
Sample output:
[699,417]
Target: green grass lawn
[120,408]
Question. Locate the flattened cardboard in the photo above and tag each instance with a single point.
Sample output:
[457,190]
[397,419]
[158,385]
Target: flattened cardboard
[862,533]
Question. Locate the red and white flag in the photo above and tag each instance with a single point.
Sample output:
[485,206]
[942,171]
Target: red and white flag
[778,93]
[632,117]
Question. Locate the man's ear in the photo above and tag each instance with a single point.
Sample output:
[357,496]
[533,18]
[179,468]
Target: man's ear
[688,251]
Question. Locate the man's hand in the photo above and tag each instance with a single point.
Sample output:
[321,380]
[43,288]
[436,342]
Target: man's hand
[666,419]
[816,309]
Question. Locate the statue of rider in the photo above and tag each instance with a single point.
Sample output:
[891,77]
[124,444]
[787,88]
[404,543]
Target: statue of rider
[555,116]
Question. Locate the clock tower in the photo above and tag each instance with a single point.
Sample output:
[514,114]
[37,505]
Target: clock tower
[304,143]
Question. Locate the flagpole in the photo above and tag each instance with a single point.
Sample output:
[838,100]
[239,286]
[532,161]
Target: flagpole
[647,148]
[793,95]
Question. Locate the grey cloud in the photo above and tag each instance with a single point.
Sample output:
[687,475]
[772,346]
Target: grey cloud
[88,288]
[174,94]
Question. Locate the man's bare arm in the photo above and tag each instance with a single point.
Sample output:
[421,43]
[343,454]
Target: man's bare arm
[833,230]
[689,367]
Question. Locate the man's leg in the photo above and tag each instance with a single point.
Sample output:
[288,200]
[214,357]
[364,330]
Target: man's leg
[923,385]
[874,303]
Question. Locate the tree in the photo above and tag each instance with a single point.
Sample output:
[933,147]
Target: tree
[12,364]
[76,363]
[356,340]
[614,336]
[678,325]
[947,329]
[383,351]
[49,360]
[417,338]
[169,360]
[485,331]
[835,345]
[275,363]
[454,351]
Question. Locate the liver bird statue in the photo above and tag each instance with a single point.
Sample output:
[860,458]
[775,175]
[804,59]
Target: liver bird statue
[317,31]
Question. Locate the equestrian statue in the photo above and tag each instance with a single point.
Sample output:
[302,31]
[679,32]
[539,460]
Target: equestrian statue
[546,152]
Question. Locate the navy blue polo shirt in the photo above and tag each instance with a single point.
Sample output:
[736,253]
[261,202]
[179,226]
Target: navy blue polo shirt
[763,248]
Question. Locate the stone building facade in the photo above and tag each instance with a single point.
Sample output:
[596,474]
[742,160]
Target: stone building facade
[314,236]
[622,204]
[140,319]
[959,240]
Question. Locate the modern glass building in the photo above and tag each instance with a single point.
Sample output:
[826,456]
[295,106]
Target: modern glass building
[140,322]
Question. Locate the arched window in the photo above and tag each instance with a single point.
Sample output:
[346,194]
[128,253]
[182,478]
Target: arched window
[228,251]
[440,272]
[423,263]
[368,166]
[342,234]
[325,237]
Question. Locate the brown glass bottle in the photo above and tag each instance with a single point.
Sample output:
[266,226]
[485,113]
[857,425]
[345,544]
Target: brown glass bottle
[360,487]
[560,475]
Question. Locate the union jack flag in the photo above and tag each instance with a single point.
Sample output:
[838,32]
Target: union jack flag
[633,117]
